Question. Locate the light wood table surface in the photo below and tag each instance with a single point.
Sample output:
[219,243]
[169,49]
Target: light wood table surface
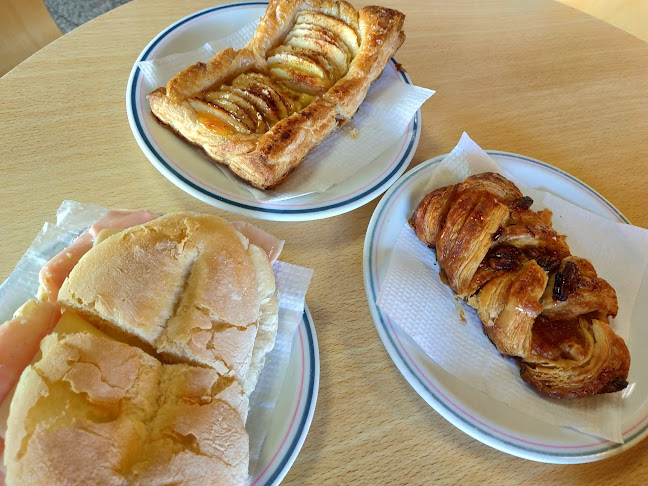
[535,78]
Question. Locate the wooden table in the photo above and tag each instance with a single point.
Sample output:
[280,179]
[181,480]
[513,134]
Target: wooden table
[535,78]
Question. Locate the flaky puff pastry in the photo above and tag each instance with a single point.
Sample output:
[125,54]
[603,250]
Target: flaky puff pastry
[305,72]
[537,302]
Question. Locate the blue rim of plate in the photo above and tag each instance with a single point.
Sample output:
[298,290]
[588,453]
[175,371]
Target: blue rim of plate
[434,395]
[273,474]
[350,201]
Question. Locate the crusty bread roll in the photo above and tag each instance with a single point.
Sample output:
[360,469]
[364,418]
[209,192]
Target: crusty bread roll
[305,72]
[187,288]
[95,411]
[146,376]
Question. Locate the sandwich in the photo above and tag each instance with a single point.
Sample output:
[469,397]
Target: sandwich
[306,71]
[147,337]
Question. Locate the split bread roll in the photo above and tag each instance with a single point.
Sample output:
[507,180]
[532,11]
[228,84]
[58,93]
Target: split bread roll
[305,72]
[537,303]
[96,411]
[159,335]
[186,288]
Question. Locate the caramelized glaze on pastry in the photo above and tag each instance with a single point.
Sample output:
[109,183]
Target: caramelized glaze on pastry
[537,302]
[305,72]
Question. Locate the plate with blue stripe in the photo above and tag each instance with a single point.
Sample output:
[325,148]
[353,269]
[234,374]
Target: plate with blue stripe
[294,410]
[475,413]
[192,171]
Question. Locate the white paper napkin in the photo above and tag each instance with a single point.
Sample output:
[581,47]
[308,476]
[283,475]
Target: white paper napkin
[381,120]
[72,218]
[414,297]
[158,72]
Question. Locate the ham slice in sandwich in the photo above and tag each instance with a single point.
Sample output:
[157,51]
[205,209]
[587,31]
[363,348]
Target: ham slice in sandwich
[164,328]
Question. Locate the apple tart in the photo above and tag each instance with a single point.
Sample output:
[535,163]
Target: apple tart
[305,72]
[538,304]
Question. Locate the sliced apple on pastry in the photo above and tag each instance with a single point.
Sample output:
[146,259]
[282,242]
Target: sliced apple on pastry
[298,70]
[216,118]
[266,86]
[220,99]
[261,98]
[332,24]
[317,33]
[335,56]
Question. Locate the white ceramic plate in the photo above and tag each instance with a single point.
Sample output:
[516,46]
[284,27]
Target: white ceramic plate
[190,169]
[294,410]
[478,415]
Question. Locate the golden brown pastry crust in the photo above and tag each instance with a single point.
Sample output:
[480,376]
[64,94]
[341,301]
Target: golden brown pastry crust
[536,302]
[265,159]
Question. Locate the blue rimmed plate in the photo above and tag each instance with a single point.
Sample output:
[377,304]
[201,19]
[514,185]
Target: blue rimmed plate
[294,411]
[475,413]
[189,169]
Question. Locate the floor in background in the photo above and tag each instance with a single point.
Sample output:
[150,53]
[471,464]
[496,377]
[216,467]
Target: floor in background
[69,14]
[628,15]
[28,25]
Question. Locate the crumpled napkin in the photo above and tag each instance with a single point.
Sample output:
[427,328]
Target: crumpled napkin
[381,120]
[72,218]
[414,297]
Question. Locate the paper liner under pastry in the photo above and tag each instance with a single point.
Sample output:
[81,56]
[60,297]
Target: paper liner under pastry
[620,253]
[380,122]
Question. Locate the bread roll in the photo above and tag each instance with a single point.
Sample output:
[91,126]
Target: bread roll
[146,377]
[187,288]
[96,411]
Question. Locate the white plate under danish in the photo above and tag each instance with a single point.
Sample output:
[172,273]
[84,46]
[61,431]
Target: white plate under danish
[192,171]
[472,411]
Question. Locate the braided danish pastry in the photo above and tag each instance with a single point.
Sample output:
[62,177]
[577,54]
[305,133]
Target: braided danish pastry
[537,303]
